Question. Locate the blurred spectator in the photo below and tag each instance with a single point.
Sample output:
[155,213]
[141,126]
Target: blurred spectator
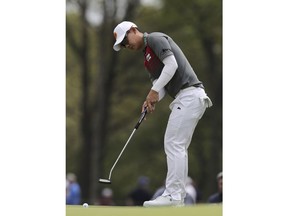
[106,197]
[191,194]
[141,193]
[158,192]
[73,191]
[217,197]
[198,192]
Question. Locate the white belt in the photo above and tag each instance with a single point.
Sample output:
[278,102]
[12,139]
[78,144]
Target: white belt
[205,99]
[186,89]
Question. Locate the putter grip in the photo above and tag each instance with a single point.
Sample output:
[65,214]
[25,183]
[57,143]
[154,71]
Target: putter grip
[143,114]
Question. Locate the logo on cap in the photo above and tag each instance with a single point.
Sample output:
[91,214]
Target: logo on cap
[115,35]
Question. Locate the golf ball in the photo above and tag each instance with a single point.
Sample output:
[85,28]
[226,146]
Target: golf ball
[85,205]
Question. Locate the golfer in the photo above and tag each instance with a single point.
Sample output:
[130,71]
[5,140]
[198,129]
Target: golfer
[170,73]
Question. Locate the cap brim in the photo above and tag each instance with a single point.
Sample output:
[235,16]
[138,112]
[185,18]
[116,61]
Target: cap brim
[117,45]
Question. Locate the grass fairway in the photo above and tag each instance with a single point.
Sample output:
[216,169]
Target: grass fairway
[197,210]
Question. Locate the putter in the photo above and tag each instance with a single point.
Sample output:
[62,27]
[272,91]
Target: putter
[108,181]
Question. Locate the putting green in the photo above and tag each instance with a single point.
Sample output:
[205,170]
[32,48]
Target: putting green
[199,210]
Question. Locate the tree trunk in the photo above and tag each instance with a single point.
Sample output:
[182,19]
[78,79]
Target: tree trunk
[81,50]
[107,62]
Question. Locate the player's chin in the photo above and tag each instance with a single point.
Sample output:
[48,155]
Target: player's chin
[135,48]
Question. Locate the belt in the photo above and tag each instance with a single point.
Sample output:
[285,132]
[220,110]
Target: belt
[187,85]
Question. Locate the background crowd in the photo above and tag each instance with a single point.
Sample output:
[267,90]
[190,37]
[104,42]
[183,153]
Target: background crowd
[142,192]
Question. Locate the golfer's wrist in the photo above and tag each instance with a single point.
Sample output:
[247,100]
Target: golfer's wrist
[155,89]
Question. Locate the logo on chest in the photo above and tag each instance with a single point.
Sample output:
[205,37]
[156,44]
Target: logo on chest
[152,63]
[148,57]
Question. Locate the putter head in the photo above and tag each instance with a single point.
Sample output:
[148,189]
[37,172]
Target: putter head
[105,181]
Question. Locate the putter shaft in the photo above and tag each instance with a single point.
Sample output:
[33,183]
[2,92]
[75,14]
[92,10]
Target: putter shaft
[143,114]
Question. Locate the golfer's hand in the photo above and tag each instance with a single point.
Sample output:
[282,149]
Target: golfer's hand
[151,99]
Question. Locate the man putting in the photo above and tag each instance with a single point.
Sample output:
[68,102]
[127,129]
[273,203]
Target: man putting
[170,73]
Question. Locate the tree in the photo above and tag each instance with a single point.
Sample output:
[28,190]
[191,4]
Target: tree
[201,26]
[95,102]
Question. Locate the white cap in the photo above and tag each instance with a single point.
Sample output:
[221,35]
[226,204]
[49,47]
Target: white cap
[120,32]
[219,175]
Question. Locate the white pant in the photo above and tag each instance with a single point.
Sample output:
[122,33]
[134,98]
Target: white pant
[186,110]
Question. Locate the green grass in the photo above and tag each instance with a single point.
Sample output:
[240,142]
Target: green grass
[197,210]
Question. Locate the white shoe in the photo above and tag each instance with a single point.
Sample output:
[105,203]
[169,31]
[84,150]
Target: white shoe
[163,201]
